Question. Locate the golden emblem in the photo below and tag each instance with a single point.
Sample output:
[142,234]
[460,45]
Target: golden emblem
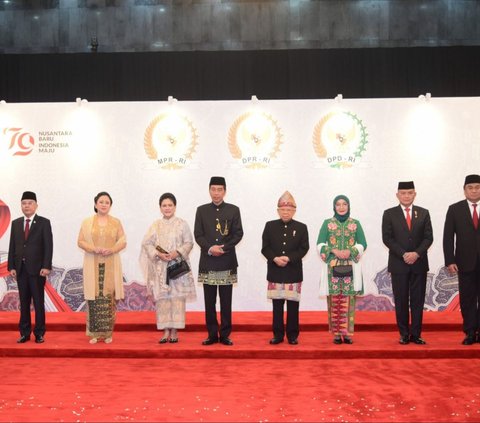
[340,139]
[254,138]
[170,138]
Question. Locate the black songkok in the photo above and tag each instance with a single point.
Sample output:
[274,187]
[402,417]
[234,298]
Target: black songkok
[218,180]
[406,185]
[472,179]
[29,195]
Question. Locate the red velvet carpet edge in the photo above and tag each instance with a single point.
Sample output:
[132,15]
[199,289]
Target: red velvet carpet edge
[135,336]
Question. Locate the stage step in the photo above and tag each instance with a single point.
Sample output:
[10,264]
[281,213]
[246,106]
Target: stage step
[310,321]
[247,345]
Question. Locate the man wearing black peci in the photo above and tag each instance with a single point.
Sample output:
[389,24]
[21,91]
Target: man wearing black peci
[29,262]
[217,230]
[461,248]
[407,232]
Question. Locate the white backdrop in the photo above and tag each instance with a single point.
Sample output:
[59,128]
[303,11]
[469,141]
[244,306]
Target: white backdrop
[68,152]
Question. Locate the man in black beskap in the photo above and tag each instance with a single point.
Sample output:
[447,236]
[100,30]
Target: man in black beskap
[217,230]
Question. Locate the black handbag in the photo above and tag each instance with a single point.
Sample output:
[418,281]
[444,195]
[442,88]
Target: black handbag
[342,270]
[177,268]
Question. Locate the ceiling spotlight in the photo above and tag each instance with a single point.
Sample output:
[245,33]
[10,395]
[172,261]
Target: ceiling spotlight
[171,100]
[80,101]
[254,99]
[339,98]
[2,102]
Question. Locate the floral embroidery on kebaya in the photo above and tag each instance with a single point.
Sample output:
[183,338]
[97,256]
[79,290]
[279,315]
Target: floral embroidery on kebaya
[332,226]
[342,235]
[352,226]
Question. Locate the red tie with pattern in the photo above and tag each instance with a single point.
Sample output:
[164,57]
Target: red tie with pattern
[27,228]
[409,219]
[475,216]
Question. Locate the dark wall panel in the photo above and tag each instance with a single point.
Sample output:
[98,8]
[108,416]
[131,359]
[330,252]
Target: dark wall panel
[228,75]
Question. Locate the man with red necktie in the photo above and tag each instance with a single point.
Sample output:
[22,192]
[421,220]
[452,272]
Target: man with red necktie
[29,262]
[407,232]
[461,248]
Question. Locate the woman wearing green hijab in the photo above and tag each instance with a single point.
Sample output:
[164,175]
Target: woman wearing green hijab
[341,241]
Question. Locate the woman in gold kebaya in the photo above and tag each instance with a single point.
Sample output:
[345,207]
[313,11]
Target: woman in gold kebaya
[102,238]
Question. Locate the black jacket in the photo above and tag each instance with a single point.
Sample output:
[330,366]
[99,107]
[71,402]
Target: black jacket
[399,239]
[36,252]
[218,225]
[285,239]
[461,242]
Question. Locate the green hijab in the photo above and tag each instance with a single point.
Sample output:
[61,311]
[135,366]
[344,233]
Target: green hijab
[346,215]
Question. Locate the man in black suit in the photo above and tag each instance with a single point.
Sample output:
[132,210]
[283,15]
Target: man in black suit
[218,229]
[461,248]
[407,232]
[29,262]
[284,244]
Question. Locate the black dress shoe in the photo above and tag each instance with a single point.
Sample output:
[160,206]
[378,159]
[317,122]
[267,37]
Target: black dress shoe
[23,339]
[39,339]
[275,341]
[337,340]
[469,340]
[210,341]
[347,340]
[404,340]
[417,340]
[293,341]
[226,341]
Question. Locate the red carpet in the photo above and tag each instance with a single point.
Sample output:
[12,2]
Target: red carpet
[375,379]
[69,389]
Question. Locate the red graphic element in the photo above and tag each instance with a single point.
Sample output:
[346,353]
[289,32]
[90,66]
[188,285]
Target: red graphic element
[4,269]
[4,217]
[56,299]
[4,223]
[454,304]
[22,140]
